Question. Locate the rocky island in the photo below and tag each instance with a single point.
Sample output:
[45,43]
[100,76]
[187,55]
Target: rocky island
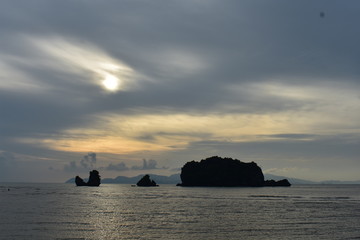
[94,180]
[280,183]
[145,181]
[225,172]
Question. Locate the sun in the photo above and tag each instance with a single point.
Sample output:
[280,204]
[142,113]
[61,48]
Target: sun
[111,83]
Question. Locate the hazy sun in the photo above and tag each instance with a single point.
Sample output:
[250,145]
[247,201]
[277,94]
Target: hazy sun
[111,83]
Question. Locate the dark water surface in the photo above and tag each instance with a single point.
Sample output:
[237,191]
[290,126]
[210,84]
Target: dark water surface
[116,211]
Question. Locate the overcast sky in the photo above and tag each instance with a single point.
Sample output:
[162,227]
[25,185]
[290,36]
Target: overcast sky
[130,87]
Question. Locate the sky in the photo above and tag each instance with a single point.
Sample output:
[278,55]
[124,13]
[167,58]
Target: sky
[132,87]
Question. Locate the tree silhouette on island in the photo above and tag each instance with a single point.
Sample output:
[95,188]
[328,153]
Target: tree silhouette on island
[225,172]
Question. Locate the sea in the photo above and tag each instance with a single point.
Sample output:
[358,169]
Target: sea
[121,211]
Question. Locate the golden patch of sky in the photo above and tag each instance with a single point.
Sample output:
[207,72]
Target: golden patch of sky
[167,131]
[125,134]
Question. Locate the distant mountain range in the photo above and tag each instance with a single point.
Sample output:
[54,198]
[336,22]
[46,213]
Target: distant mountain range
[302,181]
[291,180]
[175,179]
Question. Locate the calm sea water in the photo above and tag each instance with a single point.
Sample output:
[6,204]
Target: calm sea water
[116,211]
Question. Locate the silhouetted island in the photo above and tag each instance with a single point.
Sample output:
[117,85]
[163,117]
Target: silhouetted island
[145,181]
[94,180]
[225,172]
[280,183]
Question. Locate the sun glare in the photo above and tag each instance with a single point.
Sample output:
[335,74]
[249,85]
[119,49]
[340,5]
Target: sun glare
[111,83]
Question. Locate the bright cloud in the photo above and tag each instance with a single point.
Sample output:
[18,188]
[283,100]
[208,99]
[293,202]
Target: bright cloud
[85,59]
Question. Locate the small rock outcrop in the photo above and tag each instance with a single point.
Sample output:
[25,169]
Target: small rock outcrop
[145,181]
[280,183]
[94,180]
[225,172]
[79,181]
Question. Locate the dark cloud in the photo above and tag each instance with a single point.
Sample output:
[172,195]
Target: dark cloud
[292,136]
[88,162]
[117,167]
[72,167]
[239,42]
[147,165]
[16,167]
[7,164]
[25,115]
